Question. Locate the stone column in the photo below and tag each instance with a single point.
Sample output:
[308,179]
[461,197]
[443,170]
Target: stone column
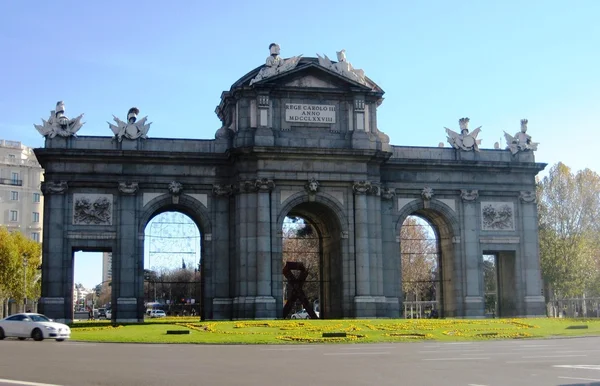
[56,301]
[244,251]
[265,302]
[533,299]
[222,301]
[128,284]
[375,256]
[361,237]
[390,255]
[263,237]
[474,306]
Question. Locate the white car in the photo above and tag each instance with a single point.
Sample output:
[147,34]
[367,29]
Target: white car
[35,326]
[157,314]
[108,314]
[303,314]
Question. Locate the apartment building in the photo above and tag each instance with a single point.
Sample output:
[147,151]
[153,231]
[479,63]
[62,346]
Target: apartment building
[21,200]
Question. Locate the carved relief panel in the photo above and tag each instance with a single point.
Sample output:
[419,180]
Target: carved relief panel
[92,209]
[497,216]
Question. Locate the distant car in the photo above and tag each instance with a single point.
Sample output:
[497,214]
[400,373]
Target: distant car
[102,313]
[108,314]
[157,314]
[35,326]
[303,314]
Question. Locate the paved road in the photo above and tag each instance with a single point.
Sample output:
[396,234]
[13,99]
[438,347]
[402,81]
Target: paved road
[520,362]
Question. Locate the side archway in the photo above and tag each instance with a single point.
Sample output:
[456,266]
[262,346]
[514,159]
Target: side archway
[445,224]
[198,213]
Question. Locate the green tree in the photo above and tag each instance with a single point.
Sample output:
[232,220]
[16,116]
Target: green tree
[20,258]
[569,205]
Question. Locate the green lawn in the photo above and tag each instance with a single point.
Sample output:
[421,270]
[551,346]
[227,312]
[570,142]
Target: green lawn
[311,331]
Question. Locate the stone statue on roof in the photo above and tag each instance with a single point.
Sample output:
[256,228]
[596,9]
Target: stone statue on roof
[521,141]
[342,67]
[464,141]
[132,129]
[275,65]
[59,124]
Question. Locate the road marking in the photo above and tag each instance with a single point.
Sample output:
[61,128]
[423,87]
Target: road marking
[475,384]
[455,359]
[357,353]
[287,349]
[469,350]
[580,379]
[586,367]
[554,356]
[367,348]
[25,383]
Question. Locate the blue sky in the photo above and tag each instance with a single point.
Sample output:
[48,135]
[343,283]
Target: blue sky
[438,61]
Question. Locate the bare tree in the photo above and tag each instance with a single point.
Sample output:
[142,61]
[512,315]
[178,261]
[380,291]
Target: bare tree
[419,259]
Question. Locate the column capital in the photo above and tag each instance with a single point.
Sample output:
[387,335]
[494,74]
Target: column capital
[361,187]
[222,190]
[128,188]
[469,195]
[54,187]
[264,184]
[527,196]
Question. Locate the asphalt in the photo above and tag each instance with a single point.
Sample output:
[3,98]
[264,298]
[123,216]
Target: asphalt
[574,361]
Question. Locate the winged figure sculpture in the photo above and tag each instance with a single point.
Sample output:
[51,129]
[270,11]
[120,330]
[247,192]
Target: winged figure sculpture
[132,129]
[464,141]
[59,124]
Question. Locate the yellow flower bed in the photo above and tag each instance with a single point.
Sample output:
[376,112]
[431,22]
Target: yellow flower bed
[77,329]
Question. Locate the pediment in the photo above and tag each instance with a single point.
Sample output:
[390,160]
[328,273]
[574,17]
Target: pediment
[312,75]
[308,74]
[310,81]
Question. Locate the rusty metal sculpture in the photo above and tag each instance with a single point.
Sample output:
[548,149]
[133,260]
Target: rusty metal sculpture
[295,284]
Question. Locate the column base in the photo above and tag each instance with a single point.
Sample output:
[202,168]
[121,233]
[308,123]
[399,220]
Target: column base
[254,307]
[474,307]
[535,306]
[222,308]
[369,306]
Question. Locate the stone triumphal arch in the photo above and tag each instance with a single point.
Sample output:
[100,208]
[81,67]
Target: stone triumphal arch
[299,137]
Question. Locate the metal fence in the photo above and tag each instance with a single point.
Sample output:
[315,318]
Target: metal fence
[574,308]
[420,309]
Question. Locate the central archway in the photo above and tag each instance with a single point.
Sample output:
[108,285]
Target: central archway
[328,227]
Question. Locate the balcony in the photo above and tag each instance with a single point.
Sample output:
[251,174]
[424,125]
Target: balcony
[10,181]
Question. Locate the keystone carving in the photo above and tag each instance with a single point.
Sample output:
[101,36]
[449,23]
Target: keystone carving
[175,188]
[312,186]
[427,193]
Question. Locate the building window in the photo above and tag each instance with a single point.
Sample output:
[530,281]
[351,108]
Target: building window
[36,197]
[12,157]
[14,196]
[35,236]
[14,215]
[36,217]
[15,178]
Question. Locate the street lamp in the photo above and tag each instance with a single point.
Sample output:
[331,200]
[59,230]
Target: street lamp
[25,257]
